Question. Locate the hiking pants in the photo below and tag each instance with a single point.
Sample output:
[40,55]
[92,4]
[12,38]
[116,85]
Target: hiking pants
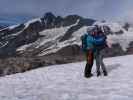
[99,61]
[89,64]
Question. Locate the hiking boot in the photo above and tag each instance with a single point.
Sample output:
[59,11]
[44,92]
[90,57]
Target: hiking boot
[89,75]
[98,74]
[105,73]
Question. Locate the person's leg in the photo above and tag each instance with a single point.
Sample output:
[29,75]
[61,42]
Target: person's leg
[97,57]
[89,64]
[102,64]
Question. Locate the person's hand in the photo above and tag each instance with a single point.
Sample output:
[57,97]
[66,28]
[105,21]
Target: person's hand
[109,45]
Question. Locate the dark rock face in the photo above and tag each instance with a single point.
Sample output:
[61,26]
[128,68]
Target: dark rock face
[72,50]
[18,64]
[82,22]
[14,42]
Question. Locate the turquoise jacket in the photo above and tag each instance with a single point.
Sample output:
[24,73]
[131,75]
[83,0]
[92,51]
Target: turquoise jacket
[91,41]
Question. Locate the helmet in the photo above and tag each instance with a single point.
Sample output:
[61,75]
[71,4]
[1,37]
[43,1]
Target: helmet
[97,28]
[90,29]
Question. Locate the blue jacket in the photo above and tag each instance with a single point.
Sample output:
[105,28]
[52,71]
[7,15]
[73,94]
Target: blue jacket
[93,41]
[101,39]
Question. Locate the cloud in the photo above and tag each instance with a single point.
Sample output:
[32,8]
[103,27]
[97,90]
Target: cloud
[99,9]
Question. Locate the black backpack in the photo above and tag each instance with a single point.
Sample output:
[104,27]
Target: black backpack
[84,42]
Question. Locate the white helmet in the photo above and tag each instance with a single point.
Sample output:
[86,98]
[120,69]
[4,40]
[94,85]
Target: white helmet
[90,29]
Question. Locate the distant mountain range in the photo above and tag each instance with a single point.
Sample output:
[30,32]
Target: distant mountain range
[8,20]
[16,36]
[49,34]
[54,39]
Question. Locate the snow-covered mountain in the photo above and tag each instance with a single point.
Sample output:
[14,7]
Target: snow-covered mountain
[50,34]
[41,34]
[55,40]
[66,82]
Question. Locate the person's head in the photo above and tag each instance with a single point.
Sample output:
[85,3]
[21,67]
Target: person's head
[90,29]
[95,30]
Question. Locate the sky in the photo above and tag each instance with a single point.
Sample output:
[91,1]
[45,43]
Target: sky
[96,9]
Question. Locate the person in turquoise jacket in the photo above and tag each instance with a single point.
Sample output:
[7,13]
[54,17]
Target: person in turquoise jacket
[92,42]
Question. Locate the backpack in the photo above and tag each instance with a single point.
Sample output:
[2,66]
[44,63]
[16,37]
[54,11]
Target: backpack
[84,42]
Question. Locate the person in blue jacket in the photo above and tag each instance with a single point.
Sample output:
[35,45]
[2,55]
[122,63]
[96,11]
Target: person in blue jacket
[99,50]
[93,44]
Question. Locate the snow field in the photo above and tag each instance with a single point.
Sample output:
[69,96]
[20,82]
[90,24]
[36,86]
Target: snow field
[66,82]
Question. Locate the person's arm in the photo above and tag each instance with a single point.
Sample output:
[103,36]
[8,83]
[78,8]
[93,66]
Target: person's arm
[109,44]
[99,40]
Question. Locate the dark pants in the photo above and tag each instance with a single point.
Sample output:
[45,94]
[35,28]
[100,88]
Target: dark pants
[89,64]
[99,62]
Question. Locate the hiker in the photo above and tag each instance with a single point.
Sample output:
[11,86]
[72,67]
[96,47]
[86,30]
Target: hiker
[99,50]
[88,45]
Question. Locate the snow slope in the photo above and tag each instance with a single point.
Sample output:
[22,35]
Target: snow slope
[53,36]
[66,82]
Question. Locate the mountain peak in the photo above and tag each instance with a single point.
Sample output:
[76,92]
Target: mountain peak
[49,15]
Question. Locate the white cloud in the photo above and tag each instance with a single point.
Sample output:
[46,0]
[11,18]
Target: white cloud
[100,9]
